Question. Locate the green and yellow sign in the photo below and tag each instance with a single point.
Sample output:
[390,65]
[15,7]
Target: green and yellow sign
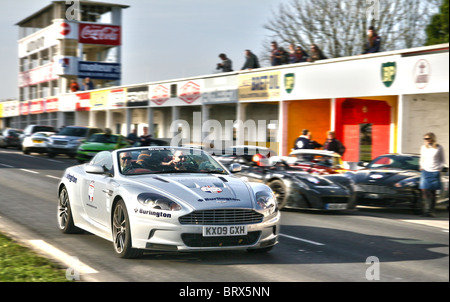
[388,72]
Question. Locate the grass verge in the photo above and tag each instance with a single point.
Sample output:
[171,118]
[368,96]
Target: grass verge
[19,264]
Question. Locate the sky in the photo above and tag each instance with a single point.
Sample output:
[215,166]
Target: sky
[161,39]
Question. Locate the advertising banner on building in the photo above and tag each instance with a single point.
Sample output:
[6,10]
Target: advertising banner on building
[182,93]
[51,105]
[38,75]
[137,96]
[261,86]
[90,33]
[221,90]
[11,108]
[47,37]
[24,108]
[117,98]
[36,107]
[83,101]
[99,99]
[99,70]
[67,102]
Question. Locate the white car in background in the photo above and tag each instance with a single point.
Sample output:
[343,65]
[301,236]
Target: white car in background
[36,142]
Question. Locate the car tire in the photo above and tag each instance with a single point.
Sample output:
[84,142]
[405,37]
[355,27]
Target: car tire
[280,191]
[25,151]
[65,218]
[121,233]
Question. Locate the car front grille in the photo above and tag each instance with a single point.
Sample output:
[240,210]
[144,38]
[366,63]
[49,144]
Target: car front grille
[375,189]
[222,217]
[197,240]
[59,143]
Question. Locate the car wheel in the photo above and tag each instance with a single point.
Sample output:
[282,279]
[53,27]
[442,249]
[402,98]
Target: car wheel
[121,233]
[25,151]
[280,191]
[51,154]
[65,218]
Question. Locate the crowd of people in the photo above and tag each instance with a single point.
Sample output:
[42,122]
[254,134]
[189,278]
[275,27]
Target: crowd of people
[295,54]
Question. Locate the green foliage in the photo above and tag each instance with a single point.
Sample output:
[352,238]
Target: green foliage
[437,30]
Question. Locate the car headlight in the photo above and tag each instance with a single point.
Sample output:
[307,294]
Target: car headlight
[157,201]
[407,183]
[267,201]
[313,180]
[75,142]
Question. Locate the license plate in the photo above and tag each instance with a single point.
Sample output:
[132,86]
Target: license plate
[224,230]
[36,141]
[372,196]
[336,206]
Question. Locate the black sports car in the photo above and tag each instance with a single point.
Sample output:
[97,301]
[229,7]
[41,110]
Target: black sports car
[393,180]
[295,188]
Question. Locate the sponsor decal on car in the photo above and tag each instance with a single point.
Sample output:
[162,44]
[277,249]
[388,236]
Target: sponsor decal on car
[91,191]
[222,199]
[153,213]
[71,178]
[211,189]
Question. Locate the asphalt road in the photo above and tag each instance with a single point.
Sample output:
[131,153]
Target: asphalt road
[366,245]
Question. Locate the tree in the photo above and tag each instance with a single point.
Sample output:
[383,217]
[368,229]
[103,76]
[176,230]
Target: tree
[339,27]
[437,30]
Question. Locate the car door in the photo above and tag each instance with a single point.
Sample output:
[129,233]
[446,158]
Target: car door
[252,173]
[99,190]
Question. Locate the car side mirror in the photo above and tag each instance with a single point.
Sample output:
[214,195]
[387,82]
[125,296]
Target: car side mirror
[94,169]
[234,168]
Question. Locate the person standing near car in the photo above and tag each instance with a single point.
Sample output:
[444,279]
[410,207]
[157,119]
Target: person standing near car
[332,144]
[304,141]
[432,161]
[145,139]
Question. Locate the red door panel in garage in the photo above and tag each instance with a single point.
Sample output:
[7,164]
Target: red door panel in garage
[355,112]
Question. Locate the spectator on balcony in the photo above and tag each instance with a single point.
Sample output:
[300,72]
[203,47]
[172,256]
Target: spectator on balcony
[251,60]
[316,54]
[74,87]
[296,54]
[87,84]
[226,64]
[373,41]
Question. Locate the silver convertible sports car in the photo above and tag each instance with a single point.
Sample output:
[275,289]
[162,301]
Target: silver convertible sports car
[166,198]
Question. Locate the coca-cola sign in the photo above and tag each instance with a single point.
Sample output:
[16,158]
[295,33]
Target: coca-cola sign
[99,34]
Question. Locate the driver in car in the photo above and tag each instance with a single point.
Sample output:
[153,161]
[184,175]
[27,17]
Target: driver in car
[125,162]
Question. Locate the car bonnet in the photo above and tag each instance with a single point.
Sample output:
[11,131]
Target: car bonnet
[383,177]
[201,191]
